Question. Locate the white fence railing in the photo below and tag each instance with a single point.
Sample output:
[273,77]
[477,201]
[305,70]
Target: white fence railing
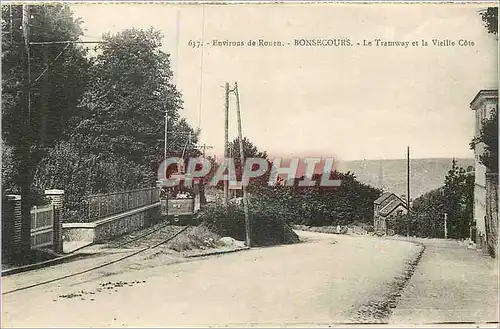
[42,226]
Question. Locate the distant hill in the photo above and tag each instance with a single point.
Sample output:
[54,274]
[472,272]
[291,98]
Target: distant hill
[426,174]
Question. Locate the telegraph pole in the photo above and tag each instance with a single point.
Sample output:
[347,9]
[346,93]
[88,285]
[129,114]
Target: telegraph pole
[226,141]
[174,82]
[248,227]
[11,23]
[203,199]
[166,136]
[26,139]
[408,190]
[445,225]
[231,192]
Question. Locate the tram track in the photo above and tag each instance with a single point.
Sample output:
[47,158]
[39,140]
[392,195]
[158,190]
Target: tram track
[106,263]
[134,239]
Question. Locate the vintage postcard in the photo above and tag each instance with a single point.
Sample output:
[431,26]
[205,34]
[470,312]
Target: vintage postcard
[253,164]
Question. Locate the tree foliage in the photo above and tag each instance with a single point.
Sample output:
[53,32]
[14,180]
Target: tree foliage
[428,215]
[455,199]
[249,151]
[124,105]
[489,136]
[96,122]
[489,130]
[56,84]
[118,135]
[271,207]
[490,19]
[57,78]
[349,203]
[8,170]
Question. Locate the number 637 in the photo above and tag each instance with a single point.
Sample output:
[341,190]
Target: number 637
[194,44]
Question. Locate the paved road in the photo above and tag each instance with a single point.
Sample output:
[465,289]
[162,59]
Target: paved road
[328,279]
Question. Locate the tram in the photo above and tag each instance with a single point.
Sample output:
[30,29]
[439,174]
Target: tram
[180,204]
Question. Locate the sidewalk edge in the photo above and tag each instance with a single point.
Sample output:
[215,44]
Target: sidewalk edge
[43,264]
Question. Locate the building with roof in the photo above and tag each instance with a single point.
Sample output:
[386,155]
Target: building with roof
[484,104]
[386,210]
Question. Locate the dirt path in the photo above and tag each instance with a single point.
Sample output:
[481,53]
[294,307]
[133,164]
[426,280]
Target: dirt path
[451,284]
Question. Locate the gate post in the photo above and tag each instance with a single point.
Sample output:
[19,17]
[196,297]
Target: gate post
[57,200]
[11,226]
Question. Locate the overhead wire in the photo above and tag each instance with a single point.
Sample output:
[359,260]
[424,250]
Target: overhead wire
[51,63]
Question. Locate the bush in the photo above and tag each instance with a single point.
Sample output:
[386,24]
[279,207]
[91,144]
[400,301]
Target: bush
[273,207]
[224,223]
[268,224]
[352,202]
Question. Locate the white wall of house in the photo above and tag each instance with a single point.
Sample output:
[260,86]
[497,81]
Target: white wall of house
[483,104]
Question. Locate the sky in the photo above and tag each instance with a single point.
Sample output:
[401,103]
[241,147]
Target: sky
[351,103]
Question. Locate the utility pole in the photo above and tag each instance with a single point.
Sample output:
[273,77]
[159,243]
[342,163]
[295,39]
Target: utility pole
[248,227]
[24,154]
[445,225]
[232,192]
[204,150]
[27,138]
[26,141]
[408,191]
[226,141]
[174,81]
[166,136]
[11,23]
[203,199]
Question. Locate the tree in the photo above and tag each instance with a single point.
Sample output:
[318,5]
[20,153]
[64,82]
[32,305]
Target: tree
[489,136]
[428,214]
[490,19]
[349,203]
[458,198]
[249,151]
[455,198]
[124,105]
[117,140]
[36,109]
[56,84]
[489,128]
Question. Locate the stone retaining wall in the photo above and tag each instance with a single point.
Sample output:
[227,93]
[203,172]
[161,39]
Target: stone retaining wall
[111,227]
